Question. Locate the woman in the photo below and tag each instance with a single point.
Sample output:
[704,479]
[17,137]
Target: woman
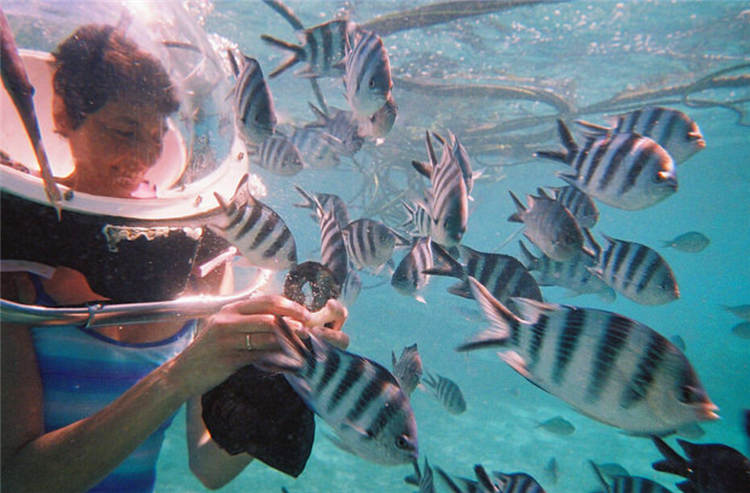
[84,408]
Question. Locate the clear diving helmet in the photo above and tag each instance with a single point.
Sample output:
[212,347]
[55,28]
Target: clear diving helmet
[139,249]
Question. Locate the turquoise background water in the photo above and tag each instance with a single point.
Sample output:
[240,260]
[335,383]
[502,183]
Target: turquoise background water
[584,52]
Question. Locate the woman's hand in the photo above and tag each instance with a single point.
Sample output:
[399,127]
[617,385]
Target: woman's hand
[240,334]
[327,322]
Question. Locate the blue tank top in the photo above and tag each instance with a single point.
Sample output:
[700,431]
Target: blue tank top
[82,371]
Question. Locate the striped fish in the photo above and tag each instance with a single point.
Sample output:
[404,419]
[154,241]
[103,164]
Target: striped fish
[670,128]
[381,122]
[357,397]
[341,124]
[449,199]
[418,219]
[256,230]
[503,275]
[367,77]
[371,243]
[627,484]
[550,226]
[333,251]
[626,170]
[409,277]
[280,156]
[578,203]
[637,272]
[254,115]
[318,148]
[462,158]
[517,482]
[408,368]
[327,201]
[322,47]
[446,391]
[573,274]
[608,367]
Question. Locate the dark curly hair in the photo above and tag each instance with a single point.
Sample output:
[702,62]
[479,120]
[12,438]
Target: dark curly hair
[98,63]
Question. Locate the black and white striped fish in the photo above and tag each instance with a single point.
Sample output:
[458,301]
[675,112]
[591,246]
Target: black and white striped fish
[254,114]
[573,274]
[626,170]
[408,368]
[256,230]
[608,367]
[322,48]
[381,122]
[371,243]
[670,128]
[357,397]
[578,203]
[318,148]
[462,158]
[446,391]
[367,76]
[503,275]
[549,225]
[627,484]
[280,156]
[327,201]
[418,218]
[341,124]
[517,482]
[448,197]
[637,272]
[409,278]
[333,251]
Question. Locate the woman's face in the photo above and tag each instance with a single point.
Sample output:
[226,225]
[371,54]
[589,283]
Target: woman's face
[115,147]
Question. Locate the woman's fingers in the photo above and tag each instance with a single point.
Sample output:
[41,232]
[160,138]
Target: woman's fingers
[332,315]
[274,304]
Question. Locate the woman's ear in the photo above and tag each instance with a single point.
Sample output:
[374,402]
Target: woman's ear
[63,123]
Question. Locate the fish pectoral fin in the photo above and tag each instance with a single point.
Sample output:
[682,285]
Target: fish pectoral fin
[339,443]
[515,361]
[358,430]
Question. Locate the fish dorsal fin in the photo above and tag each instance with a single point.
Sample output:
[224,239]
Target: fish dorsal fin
[600,476]
[233,63]
[430,149]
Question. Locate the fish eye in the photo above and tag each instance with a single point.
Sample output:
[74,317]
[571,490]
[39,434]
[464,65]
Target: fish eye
[372,83]
[689,395]
[402,442]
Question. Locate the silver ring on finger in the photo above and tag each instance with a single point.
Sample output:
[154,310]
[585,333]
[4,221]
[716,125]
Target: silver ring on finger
[248,342]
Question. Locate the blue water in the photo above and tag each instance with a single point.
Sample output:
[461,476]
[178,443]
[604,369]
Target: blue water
[584,52]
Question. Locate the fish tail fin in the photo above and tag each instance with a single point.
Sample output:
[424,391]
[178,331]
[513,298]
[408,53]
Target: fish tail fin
[516,216]
[297,51]
[285,12]
[500,317]
[571,148]
[444,264]
[600,476]
[673,463]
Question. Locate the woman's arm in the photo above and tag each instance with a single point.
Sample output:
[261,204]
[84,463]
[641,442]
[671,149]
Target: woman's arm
[77,456]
